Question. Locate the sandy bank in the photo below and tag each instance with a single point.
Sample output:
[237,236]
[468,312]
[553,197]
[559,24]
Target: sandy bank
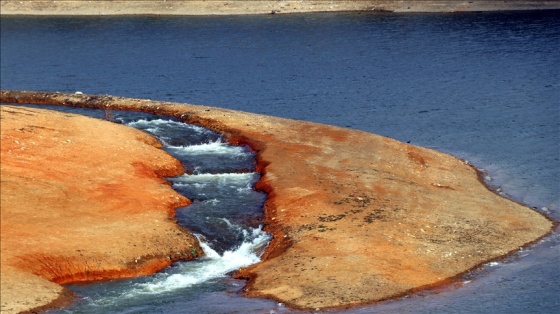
[224,7]
[81,199]
[356,217]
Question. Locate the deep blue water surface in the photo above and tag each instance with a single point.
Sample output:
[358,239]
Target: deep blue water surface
[482,86]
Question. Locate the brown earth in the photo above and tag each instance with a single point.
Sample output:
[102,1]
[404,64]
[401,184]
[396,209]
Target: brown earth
[222,7]
[356,217]
[82,199]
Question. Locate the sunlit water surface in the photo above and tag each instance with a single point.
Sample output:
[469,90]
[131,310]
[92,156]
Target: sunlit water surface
[481,86]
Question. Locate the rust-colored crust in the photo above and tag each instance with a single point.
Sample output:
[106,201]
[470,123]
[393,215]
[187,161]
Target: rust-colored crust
[352,208]
[79,208]
[453,282]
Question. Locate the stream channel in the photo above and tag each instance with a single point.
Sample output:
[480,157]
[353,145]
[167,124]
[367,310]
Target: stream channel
[484,87]
[225,216]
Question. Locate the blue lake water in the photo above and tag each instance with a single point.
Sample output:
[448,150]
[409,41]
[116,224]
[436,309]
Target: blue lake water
[482,86]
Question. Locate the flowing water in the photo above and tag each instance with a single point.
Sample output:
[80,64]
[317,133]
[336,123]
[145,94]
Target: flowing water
[225,216]
[482,86]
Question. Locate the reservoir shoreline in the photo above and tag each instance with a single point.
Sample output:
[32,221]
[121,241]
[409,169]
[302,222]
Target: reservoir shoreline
[243,7]
[384,208]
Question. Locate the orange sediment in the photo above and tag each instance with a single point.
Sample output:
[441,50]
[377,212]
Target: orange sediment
[81,200]
[356,217]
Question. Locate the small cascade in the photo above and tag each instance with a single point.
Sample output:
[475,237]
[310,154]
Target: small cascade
[224,215]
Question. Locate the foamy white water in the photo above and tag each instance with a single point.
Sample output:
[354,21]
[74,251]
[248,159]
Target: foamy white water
[238,180]
[215,147]
[213,265]
[484,83]
[156,125]
[187,274]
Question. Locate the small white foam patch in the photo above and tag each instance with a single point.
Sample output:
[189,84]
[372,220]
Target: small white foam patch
[163,122]
[214,148]
[154,125]
[243,181]
[213,201]
[233,226]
